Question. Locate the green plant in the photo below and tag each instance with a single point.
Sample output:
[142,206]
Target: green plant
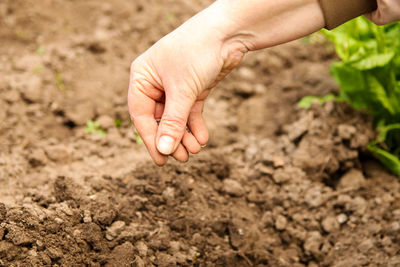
[118,123]
[369,79]
[93,127]
[60,82]
[306,101]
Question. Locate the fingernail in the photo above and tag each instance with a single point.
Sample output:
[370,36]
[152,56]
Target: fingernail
[165,145]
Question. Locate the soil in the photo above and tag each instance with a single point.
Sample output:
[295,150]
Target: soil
[276,186]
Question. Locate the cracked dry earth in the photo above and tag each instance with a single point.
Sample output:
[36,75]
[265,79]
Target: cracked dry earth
[277,186]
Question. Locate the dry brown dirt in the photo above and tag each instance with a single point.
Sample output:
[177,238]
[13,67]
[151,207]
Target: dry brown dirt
[277,186]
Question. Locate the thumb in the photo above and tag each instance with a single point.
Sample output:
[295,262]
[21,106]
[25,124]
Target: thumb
[178,104]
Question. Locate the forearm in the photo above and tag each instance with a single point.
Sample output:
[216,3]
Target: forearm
[264,23]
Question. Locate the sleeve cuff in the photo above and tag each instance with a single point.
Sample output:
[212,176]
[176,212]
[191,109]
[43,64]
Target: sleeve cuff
[337,12]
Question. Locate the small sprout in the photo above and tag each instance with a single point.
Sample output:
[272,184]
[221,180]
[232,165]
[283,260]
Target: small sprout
[41,50]
[138,139]
[171,16]
[38,69]
[118,123]
[93,127]
[60,82]
[307,101]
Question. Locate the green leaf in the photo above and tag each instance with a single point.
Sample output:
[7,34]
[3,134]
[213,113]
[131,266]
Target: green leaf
[307,101]
[373,61]
[379,93]
[388,159]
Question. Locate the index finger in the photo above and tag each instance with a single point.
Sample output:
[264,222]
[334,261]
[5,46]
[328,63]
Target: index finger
[142,109]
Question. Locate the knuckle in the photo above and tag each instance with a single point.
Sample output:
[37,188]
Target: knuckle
[173,124]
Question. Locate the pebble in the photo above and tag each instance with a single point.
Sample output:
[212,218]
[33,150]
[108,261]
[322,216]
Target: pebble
[346,131]
[64,208]
[58,220]
[37,158]
[314,197]
[142,248]
[174,246]
[87,218]
[233,188]
[280,222]
[32,90]
[313,243]
[114,230]
[352,180]
[106,122]
[394,261]
[54,253]
[394,227]
[342,218]
[247,73]
[58,153]
[266,219]
[330,224]
[366,245]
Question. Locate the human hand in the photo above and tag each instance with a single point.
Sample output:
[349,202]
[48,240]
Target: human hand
[388,11]
[169,82]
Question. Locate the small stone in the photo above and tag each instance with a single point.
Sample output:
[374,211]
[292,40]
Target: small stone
[247,73]
[32,253]
[394,261]
[64,208]
[142,248]
[58,153]
[330,224]
[58,220]
[37,158]
[366,245]
[314,197]
[169,193]
[280,223]
[87,218]
[313,243]
[287,173]
[346,131]
[394,227]
[122,255]
[174,246]
[106,122]
[341,218]
[352,180]
[197,238]
[266,219]
[233,188]
[31,90]
[54,253]
[114,230]
[165,260]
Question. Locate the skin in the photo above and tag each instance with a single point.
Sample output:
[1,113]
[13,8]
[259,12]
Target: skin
[388,11]
[171,80]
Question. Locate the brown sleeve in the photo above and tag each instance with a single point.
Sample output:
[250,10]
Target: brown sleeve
[337,12]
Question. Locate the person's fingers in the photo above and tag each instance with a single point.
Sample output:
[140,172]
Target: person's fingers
[197,125]
[141,110]
[190,143]
[180,153]
[174,119]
